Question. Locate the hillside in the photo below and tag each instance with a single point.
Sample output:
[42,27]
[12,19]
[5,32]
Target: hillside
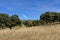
[51,32]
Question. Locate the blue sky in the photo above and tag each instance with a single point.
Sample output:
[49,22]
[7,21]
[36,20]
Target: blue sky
[29,9]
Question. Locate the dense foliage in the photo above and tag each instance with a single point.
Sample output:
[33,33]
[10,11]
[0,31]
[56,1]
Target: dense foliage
[7,21]
[50,17]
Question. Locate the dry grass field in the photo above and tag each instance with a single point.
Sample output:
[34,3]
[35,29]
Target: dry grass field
[51,32]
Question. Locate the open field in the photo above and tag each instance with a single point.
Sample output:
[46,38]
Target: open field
[51,32]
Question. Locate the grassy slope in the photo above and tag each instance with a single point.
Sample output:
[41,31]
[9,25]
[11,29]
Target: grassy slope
[34,33]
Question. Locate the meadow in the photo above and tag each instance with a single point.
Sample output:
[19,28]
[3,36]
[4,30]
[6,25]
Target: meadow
[51,32]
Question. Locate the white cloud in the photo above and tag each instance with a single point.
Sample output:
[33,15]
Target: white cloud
[10,9]
[25,16]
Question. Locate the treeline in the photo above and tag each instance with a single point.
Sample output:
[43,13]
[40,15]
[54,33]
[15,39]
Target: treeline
[7,21]
[50,17]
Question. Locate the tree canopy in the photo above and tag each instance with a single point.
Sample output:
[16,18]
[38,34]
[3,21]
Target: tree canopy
[49,17]
[8,21]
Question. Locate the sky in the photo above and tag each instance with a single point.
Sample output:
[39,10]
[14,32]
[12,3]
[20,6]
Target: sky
[29,9]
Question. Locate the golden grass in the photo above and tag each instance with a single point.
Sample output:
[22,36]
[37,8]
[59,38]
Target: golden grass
[51,32]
